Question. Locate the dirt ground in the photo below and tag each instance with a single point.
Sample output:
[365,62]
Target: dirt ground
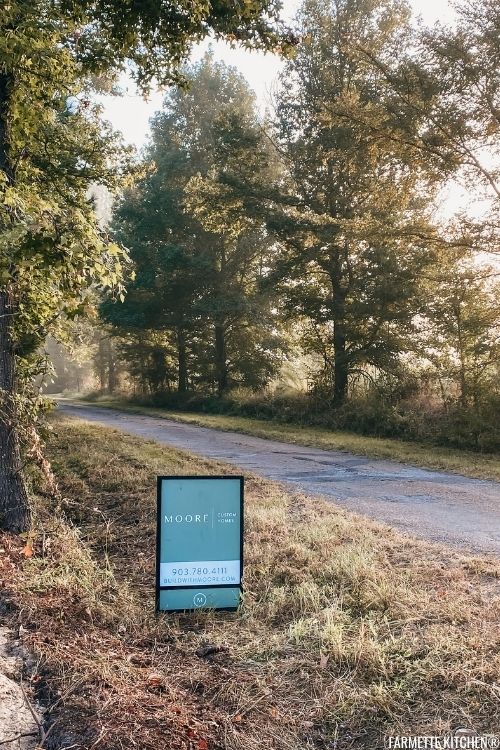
[18,728]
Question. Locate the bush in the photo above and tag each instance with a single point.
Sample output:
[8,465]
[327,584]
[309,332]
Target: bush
[414,418]
[475,429]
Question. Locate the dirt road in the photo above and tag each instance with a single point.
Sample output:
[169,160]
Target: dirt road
[432,505]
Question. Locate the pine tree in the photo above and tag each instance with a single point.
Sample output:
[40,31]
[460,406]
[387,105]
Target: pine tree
[197,278]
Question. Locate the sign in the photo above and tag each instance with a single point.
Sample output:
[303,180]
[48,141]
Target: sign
[199,546]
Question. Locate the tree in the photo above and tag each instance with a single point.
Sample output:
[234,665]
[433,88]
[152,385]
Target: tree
[50,152]
[352,225]
[52,147]
[461,331]
[455,87]
[443,94]
[197,280]
[169,272]
[247,345]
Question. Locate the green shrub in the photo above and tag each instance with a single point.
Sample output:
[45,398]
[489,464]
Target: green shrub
[471,428]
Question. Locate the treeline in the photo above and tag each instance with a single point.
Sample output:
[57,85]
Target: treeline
[305,247]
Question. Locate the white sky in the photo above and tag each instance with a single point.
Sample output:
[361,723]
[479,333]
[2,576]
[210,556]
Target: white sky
[130,113]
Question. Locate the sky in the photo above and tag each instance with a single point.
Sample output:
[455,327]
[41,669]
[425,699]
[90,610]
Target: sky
[130,113]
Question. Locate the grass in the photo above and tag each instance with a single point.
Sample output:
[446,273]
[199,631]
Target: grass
[349,632]
[467,463]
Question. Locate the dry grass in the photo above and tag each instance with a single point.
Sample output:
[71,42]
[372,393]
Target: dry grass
[349,631]
[467,463]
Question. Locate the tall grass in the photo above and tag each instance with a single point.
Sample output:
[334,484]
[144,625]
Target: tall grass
[348,631]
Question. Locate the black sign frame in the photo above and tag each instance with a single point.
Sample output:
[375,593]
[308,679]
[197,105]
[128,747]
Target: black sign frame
[158,586]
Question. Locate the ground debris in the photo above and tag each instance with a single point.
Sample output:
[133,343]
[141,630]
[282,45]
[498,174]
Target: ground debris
[19,721]
[209,649]
[156,682]
[349,632]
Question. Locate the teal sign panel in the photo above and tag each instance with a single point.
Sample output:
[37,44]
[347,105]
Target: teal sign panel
[199,549]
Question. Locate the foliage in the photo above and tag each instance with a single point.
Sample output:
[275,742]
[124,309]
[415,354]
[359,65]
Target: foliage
[460,334]
[357,259]
[53,148]
[196,283]
[444,94]
[353,227]
[156,37]
[52,246]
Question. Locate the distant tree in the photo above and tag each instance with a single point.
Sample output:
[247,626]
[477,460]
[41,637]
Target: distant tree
[70,350]
[149,358]
[149,221]
[195,279]
[461,330]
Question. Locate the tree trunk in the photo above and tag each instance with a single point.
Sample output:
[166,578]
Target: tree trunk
[101,365]
[182,374]
[341,365]
[221,372]
[14,504]
[5,165]
[111,366]
[464,391]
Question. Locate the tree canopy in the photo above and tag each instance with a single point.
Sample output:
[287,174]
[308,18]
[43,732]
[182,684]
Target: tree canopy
[195,281]
[53,147]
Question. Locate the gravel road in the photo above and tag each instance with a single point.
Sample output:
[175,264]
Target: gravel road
[432,505]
